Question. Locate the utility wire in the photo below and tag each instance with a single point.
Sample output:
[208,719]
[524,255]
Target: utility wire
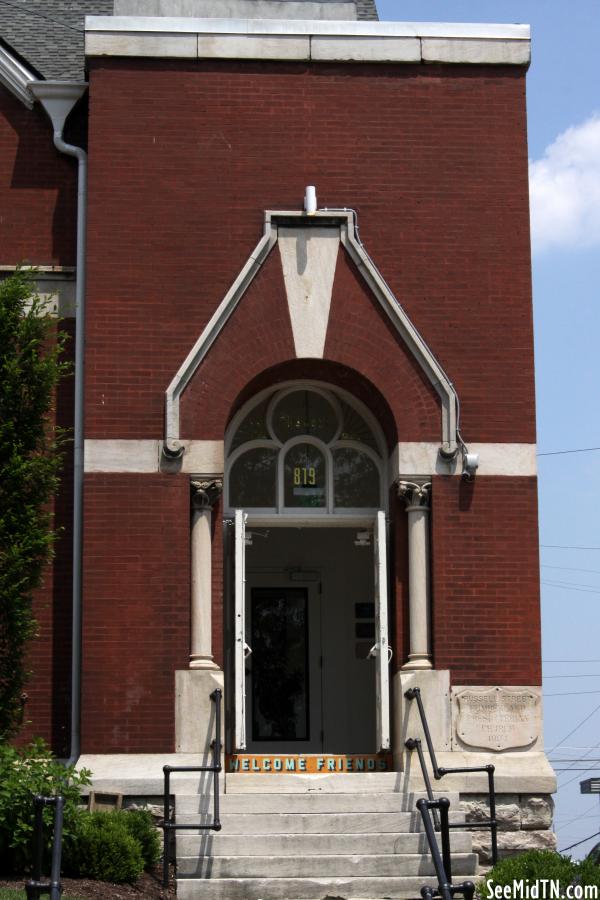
[572,694]
[30,12]
[580,842]
[577,727]
[578,675]
[566,547]
[577,777]
[588,812]
[581,759]
[582,589]
[571,660]
[562,452]
[571,569]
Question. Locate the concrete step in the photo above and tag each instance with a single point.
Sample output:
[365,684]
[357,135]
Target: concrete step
[336,782]
[316,823]
[318,866]
[312,823]
[305,803]
[299,888]
[223,844]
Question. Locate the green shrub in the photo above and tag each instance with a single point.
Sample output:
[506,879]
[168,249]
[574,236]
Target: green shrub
[23,774]
[30,462]
[103,849]
[140,826]
[536,865]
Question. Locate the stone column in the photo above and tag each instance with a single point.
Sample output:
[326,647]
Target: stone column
[416,497]
[204,496]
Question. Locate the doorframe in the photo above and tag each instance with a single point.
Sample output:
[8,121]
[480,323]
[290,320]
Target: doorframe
[275,520]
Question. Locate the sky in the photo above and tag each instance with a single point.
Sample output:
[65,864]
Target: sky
[563,103]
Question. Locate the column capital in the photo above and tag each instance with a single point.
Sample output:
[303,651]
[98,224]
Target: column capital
[415,495]
[205,493]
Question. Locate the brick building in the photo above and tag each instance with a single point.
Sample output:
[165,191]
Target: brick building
[309,460]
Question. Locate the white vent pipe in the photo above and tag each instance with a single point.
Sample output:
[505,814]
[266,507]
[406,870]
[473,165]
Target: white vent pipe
[310,200]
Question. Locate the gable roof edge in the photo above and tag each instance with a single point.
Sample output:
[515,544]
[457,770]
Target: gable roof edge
[15,76]
[346,219]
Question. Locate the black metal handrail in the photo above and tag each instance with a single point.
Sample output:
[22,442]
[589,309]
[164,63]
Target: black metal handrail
[169,824]
[440,771]
[442,862]
[35,886]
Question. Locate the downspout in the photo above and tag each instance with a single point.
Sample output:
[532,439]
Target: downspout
[58,99]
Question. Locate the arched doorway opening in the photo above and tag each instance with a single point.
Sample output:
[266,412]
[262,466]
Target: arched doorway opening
[306,490]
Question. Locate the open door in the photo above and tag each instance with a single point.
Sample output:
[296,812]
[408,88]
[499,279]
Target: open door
[382,650]
[241,648]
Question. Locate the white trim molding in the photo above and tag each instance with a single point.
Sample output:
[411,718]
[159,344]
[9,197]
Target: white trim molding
[112,455]
[414,458]
[15,77]
[409,458]
[345,220]
[306,40]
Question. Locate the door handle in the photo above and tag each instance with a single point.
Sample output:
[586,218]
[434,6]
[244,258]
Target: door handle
[375,650]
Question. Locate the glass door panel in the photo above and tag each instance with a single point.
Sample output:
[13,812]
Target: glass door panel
[280,672]
[284,671]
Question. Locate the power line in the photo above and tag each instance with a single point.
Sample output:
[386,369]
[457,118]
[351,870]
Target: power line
[582,589]
[577,727]
[581,675]
[572,694]
[580,842]
[30,12]
[571,660]
[586,813]
[562,452]
[566,547]
[577,777]
[571,569]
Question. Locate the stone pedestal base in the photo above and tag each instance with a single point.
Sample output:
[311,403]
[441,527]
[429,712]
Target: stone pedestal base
[435,693]
[195,711]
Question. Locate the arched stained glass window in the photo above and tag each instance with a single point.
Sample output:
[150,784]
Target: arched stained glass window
[304,448]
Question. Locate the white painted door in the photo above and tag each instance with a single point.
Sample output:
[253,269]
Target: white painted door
[241,648]
[381,650]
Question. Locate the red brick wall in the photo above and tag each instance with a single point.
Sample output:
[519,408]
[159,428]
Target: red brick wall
[185,158]
[136,610]
[485,580]
[38,189]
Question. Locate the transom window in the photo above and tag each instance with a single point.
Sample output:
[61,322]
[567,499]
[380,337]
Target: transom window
[304,448]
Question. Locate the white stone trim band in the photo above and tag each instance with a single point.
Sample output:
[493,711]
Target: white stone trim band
[318,40]
[414,458]
[144,456]
[410,458]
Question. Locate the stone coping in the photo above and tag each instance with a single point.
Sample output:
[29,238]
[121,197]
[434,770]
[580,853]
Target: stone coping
[307,40]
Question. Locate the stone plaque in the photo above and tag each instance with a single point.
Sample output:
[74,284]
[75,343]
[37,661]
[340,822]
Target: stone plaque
[498,718]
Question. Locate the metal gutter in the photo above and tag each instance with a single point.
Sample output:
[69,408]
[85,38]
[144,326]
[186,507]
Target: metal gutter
[58,99]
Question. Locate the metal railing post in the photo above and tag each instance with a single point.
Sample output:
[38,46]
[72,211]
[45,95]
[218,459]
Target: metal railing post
[55,886]
[493,821]
[443,881]
[440,771]
[415,694]
[170,825]
[35,886]
[166,831]
[443,805]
